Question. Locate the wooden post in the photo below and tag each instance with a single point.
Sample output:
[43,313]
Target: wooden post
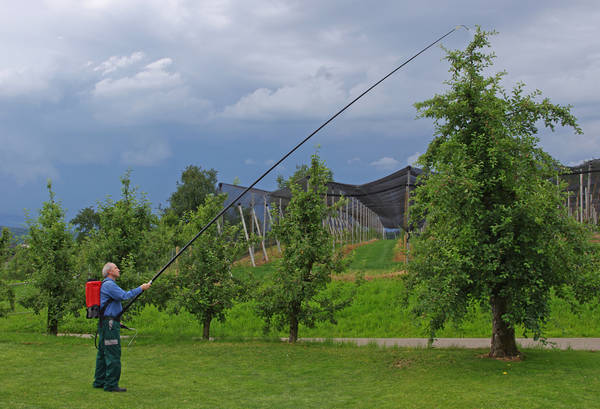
[367,217]
[264,217]
[332,225]
[262,242]
[247,237]
[271,224]
[356,221]
[353,219]
[360,221]
[368,223]
[332,221]
[251,218]
[364,222]
[347,222]
[581,197]
[342,219]
[586,207]
[407,199]
[589,192]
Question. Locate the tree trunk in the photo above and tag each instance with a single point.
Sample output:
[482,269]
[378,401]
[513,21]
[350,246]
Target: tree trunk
[504,344]
[206,327]
[51,321]
[293,328]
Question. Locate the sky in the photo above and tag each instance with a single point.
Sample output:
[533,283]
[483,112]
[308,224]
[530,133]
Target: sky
[91,88]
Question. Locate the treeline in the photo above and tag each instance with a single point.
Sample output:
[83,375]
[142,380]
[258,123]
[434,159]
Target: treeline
[58,257]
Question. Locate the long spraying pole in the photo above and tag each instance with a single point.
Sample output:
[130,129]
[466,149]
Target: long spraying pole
[236,200]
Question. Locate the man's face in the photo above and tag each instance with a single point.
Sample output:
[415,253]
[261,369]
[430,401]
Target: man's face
[115,272]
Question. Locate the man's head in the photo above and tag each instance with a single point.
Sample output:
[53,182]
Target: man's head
[111,270]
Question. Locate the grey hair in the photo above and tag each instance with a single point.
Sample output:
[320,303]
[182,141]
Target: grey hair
[106,269]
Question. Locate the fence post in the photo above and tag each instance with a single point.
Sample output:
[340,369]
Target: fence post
[589,192]
[250,250]
[407,198]
[353,218]
[581,197]
[271,224]
[266,258]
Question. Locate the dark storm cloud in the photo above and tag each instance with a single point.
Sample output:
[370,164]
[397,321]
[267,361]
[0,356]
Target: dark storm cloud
[159,84]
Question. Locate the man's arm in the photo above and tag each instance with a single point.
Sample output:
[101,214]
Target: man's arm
[118,294]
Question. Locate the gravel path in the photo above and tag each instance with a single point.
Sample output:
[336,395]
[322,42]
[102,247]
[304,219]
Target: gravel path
[582,344]
[587,344]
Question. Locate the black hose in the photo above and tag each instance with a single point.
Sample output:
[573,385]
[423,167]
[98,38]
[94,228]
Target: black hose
[285,157]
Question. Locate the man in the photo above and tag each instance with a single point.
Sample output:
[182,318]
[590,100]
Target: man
[108,359]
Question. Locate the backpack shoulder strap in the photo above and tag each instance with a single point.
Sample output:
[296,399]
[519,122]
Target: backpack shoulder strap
[101,315]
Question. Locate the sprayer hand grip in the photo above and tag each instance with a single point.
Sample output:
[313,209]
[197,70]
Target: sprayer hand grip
[146,286]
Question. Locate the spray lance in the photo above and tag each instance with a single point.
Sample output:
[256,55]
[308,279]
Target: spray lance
[284,157]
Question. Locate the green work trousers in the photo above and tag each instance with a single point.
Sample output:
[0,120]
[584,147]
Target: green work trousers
[108,359]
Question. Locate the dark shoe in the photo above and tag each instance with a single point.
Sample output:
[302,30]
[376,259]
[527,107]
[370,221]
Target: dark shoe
[98,386]
[117,389]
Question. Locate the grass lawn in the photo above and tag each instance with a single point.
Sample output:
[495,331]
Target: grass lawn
[167,367]
[48,372]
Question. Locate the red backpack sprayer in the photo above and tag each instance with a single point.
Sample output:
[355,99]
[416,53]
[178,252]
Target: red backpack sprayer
[93,309]
[93,287]
[92,299]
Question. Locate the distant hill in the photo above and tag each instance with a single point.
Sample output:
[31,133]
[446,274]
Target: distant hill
[18,232]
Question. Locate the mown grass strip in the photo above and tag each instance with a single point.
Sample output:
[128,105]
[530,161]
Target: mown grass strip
[56,373]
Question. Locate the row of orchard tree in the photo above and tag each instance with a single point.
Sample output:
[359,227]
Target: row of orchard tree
[58,257]
[496,230]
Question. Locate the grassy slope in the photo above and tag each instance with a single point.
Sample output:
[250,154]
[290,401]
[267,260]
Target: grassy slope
[375,312]
[57,372]
[376,257]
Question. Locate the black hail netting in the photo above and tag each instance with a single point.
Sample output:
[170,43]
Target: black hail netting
[584,188]
[387,197]
[255,198]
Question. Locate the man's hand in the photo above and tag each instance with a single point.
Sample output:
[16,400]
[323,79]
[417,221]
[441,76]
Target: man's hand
[145,286]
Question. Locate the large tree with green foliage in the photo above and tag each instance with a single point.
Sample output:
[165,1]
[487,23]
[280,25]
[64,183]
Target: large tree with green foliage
[51,254]
[496,231]
[86,221]
[196,183]
[294,296]
[122,235]
[205,284]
